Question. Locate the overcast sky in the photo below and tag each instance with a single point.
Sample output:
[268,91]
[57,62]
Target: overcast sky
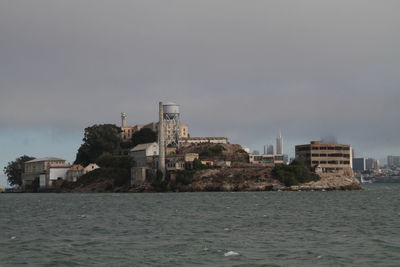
[242,69]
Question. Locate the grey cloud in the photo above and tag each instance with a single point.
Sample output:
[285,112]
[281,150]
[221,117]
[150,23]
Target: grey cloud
[238,68]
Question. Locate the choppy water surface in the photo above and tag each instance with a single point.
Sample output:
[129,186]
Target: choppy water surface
[358,228]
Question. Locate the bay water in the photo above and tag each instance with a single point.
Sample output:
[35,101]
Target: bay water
[332,228]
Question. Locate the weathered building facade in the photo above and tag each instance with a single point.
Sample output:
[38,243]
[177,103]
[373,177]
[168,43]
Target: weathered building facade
[33,169]
[328,157]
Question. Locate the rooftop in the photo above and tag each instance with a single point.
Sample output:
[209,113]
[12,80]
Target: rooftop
[45,159]
[143,146]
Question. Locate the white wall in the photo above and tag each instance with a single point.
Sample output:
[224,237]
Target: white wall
[55,173]
[152,150]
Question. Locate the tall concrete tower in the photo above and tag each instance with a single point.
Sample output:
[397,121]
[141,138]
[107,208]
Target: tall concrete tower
[279,144]
[123,119]
[161,141]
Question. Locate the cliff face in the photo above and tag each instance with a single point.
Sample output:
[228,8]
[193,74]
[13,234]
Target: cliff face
[232,179]
[260,179]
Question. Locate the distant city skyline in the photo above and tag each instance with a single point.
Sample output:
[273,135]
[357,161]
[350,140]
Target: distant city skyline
[238,69]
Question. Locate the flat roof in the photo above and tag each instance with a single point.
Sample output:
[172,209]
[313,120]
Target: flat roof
[45,159]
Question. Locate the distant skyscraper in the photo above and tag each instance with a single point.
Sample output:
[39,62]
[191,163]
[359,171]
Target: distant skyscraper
[393,161]
[371,164]
[268,149]
[359,164]
[279,144]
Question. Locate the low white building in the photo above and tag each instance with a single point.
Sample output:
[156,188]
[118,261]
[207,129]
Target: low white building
[54,173]
[199,140]
[75,172]
[267,159]
[144,154]
[91,167]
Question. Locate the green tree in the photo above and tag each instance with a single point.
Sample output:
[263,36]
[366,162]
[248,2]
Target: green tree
[144,136]
[294,173]
[98,139]
[15,169]
[107,160]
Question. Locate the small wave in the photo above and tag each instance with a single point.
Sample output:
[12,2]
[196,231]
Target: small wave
[13,237]
[231,253]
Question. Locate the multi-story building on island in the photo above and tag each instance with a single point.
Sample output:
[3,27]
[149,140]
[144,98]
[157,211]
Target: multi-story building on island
[327,157]
[126,130]
[44,170]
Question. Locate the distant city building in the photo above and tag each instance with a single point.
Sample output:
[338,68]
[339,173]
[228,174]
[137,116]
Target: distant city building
[359,164]
[329,157]
[393,161]
[371,164]
[256,152]
[285,159]
[279,144]
[269,149]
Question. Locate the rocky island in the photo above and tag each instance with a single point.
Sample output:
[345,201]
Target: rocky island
[239,176]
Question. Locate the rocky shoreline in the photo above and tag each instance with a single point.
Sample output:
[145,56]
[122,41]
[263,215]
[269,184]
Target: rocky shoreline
[223,180]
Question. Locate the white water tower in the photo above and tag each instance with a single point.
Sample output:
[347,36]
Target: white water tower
[171,124]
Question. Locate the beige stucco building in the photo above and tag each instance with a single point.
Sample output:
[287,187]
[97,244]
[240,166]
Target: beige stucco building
[327,157]
[34,168]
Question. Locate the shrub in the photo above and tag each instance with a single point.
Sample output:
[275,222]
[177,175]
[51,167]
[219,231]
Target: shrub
[106,160]
[185,177]
[213,151]
[244,154]
[119,176]
[293,174]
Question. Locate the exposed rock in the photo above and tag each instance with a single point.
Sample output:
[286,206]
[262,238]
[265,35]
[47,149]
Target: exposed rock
[330,181]
[260,179]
